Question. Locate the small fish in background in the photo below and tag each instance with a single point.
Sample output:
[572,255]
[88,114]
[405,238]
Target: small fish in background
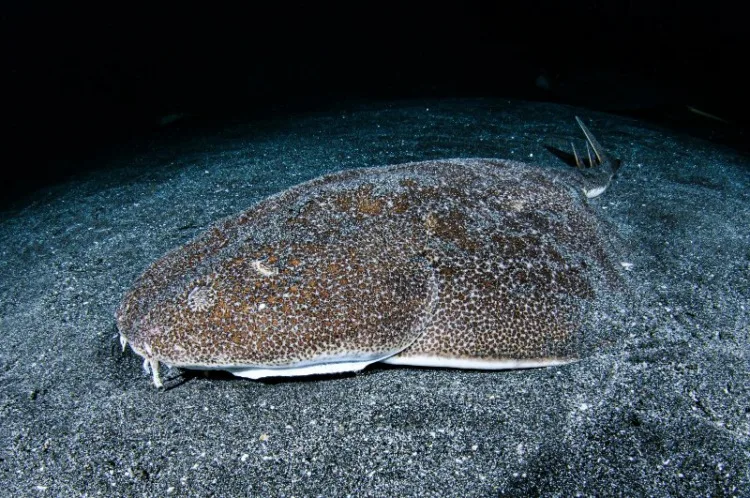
[169,119]
[459,263]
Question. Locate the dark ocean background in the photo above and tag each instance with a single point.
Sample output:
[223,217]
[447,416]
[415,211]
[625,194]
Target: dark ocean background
[131,129]
[84,84]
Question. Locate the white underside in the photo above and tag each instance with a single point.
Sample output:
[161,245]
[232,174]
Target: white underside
[473,364]
[334,367]
[318,366]
[594,192]
[317,369]
[341,364]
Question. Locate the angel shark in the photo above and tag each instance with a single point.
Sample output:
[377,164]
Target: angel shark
[461,263]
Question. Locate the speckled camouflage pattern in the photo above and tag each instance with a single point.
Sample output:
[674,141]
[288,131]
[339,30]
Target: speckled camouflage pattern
[469,258]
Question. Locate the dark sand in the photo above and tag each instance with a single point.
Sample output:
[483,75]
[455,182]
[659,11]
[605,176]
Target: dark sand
[663,411]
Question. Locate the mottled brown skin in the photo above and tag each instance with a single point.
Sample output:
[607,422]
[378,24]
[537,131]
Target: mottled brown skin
[482,259]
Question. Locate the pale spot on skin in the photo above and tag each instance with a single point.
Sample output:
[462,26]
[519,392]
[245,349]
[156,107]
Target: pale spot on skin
[266,271]
[201,298]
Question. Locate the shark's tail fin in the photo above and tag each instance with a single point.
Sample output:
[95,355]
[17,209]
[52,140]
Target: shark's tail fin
[599,169]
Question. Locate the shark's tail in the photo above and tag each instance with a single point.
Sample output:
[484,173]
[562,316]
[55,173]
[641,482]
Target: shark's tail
[599,169]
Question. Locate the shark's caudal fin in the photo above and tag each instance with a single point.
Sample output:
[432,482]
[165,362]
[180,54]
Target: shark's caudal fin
[598,169]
